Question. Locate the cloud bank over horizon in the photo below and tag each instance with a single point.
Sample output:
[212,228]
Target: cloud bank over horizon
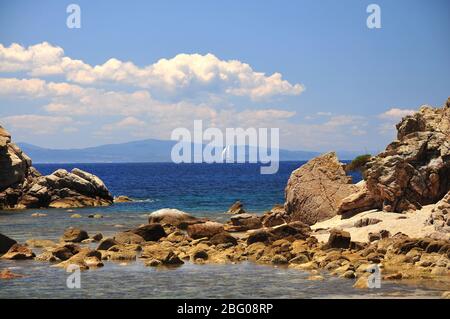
[119,101]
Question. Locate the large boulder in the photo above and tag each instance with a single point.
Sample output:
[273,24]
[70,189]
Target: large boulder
[316,189]
[414,170]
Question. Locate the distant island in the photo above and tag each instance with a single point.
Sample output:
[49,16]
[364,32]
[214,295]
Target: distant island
[149,150]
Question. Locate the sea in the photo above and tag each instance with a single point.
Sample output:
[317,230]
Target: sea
[203,190]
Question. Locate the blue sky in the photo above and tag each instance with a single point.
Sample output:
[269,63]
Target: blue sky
[341,85]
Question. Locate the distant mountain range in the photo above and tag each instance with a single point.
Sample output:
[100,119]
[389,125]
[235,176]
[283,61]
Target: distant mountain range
[137,152]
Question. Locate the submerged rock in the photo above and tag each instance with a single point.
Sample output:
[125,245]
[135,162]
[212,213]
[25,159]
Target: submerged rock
[122,199]
[8,274]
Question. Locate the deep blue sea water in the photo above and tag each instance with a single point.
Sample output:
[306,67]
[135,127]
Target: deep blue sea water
[200,189]
[195,188]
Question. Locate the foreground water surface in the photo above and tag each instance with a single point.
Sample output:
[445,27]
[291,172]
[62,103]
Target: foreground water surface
[200,189]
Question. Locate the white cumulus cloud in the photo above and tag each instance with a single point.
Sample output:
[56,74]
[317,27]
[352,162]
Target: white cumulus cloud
[184,74]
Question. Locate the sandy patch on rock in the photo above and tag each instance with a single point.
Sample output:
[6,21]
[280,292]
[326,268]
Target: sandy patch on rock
[411,223]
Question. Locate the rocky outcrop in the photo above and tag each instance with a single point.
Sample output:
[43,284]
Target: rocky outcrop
[316,189]
[22,186]
[14,164]
[413,171]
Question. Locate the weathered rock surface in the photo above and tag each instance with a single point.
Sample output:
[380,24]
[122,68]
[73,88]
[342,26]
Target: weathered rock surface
[413,171]
[316,189]
[22,186]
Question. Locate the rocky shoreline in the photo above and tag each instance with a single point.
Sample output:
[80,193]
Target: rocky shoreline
[398,218]
[22,186]
[179,237]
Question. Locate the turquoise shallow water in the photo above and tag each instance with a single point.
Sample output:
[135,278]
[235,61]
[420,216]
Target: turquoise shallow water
[244,280]
[203,190]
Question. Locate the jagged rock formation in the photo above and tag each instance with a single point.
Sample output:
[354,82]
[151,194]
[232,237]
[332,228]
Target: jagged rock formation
[413,171]
[22,186]
[14,164]
[316,189]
